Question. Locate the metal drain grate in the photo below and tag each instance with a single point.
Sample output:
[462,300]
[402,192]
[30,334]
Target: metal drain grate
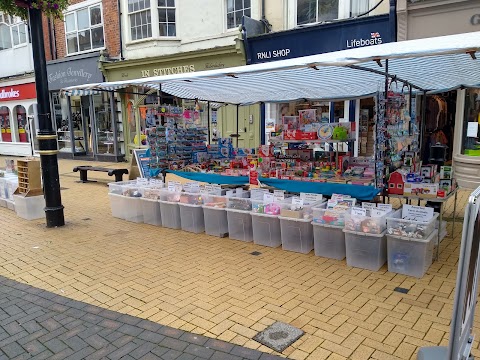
[279,336]
[401,290]
[255,253]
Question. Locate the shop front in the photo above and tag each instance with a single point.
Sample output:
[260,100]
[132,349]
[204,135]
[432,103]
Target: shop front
[16,118]
[450,113]
[88,124]
[335,36]
[222,120]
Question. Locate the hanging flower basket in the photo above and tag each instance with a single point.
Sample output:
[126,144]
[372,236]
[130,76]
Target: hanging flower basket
[20,8]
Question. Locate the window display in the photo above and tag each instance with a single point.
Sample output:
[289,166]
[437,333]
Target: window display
[22,125]
[5,124]
[470,141]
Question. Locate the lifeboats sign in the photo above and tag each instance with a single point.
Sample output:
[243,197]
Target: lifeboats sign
[319,39]
[18,92]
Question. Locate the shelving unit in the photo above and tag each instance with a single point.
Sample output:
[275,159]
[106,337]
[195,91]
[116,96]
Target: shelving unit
[29,179]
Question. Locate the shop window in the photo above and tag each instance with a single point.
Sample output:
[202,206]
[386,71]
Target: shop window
[22,125]
[314,11]
[13,32]
[236,9]
[140,16]
[5,124]
[166,17]
[84,29]
[471,143]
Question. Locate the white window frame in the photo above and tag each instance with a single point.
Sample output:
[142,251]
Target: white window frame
[344,8]
[168,22]
[12,22]
[234,11]
[155,23]
[74,9]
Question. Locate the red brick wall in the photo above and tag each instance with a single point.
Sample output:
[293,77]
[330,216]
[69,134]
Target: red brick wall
[110,26]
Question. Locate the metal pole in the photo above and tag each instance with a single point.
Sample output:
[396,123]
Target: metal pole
[47,138]
[208,121]
[237,127]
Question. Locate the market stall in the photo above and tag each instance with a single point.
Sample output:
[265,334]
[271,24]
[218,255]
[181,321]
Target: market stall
[310,153]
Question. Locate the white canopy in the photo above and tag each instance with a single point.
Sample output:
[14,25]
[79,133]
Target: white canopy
[432,64]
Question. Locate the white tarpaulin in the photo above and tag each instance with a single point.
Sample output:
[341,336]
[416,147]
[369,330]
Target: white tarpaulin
[432,64]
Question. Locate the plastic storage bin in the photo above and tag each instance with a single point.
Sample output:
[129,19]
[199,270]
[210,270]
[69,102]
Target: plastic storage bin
[366,224]
[30,208]
[151,212]
[410,257]
[409,228]
[133,209]
[366,251]
[216,221]
[240,225]
[288,210]
[328,217]
[297,234]
[191,218]
[117,204]
[117,187]
[170,213]
[328,241]
[266,230]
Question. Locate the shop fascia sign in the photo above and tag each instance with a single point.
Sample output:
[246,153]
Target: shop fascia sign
[9,94]
[70,75]
[168,70]
[18,92]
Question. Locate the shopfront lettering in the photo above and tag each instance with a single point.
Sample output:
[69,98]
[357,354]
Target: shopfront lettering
[168,71]
[475,19]
[69,76]
[281,53]
[214,65]
[375,39]
[9,94]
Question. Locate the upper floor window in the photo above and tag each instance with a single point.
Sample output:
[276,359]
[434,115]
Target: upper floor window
[84,29]
[13,32]
[313,11]
[143,13]
[235,11]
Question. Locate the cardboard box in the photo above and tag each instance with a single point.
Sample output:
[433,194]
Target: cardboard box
[420,189]
[446,172]
[291,213]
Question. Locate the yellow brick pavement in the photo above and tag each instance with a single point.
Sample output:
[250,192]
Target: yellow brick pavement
[214,287]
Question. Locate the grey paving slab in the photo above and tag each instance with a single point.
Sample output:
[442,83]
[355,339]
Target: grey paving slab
[37,324]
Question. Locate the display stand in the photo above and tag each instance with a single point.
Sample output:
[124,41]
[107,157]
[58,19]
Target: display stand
[29,179]
[440,201]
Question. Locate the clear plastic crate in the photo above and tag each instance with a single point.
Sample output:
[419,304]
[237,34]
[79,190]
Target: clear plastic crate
[240,225]
[133,209]
[410,257]
[170,213]
[365,251]
[151,193]
[328,216]
[151,212]
[191,218]
[214,201]
[169,196]
[11,206]
[191,199]
[289,210]
[216,221]
[29,207]
[409,228]
[117,187]
[366,224]
[117,205]
[262,207]
[328,241]
[235,203]
[297,234]
[266,230]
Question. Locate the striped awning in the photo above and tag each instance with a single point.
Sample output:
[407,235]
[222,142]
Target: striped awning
[433,65]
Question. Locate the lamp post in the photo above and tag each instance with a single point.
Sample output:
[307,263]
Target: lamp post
[47,138]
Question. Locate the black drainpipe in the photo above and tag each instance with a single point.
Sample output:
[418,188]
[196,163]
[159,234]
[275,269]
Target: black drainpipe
[51,36]
[120,30]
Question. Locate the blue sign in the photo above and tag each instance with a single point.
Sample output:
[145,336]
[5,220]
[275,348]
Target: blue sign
[319,39]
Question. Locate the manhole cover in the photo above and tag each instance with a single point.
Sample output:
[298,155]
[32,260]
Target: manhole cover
[255,253]
[279,336]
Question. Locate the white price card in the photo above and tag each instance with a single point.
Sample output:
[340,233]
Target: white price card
[178,186]
[171,186]
[208,188]
[310,198]
[356,211]
[194,187]
[385,207]
[417,213]
[367,205]
[217,188]
[187,186]
[296,201]
[376,213]
[472,129]
[268,198]
[230,193]
[279,195]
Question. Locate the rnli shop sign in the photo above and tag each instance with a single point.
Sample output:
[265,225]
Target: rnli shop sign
[319,39]
[17,92]
[62,74]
